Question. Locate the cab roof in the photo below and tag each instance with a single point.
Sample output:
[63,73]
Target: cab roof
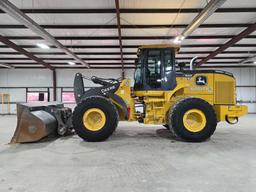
[160,46]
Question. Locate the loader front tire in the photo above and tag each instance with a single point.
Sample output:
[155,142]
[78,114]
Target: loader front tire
[95,119]
[192,119]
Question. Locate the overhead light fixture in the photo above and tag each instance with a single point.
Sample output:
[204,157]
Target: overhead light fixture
[178,39]
[43,46]
[71,63]
[6,66]
[249,59]
[208,10]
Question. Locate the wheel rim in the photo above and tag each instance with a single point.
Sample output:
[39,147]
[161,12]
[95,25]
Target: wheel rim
[194,120]
[94,119]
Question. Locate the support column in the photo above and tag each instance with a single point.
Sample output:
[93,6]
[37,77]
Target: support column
[54,85]
[120,36]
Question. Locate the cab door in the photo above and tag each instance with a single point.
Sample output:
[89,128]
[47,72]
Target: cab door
[153,69]
[169,71]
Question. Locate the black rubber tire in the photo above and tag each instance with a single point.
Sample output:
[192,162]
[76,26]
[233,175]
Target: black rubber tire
[110,112]
[176,119]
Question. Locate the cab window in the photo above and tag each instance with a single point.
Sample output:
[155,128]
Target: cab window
[153,68]
[138,72]
[168,60]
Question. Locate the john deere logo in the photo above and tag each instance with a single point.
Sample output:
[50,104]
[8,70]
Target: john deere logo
[201,80]
[107,89]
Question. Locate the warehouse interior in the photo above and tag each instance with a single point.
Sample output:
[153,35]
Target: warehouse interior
[43,44]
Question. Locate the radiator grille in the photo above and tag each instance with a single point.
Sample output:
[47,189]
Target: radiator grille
[224,92]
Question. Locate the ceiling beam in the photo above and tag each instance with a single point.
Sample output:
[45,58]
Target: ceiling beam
[224,52]
[24,52]
[110,59]
[230,43]
[109,63]
[66,64]
[107,11]
[78,53]
[133,46]
[125,37]
[6,66]
[124,53]
[226,25]
[21,17]
[248,59]
[120,35]
[73,67]
[133,67]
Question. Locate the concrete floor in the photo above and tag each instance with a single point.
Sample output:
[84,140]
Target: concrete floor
[136,158]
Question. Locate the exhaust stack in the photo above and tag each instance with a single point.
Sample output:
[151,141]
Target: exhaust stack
[191,65]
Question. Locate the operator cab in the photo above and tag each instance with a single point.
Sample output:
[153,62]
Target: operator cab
[155,68]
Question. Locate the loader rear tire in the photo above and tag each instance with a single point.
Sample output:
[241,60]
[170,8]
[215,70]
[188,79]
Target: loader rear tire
[192,119]
[104,127]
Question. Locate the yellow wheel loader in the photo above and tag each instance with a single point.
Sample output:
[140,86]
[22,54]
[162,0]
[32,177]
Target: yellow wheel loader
[189,103]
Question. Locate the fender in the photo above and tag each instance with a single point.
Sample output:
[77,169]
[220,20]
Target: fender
[177,88]
[119,102]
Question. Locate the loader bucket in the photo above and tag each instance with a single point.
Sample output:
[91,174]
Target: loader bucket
[33,123]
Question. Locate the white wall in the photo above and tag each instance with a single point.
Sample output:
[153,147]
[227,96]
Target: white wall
[245,77]
[23,78]
[43,78]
